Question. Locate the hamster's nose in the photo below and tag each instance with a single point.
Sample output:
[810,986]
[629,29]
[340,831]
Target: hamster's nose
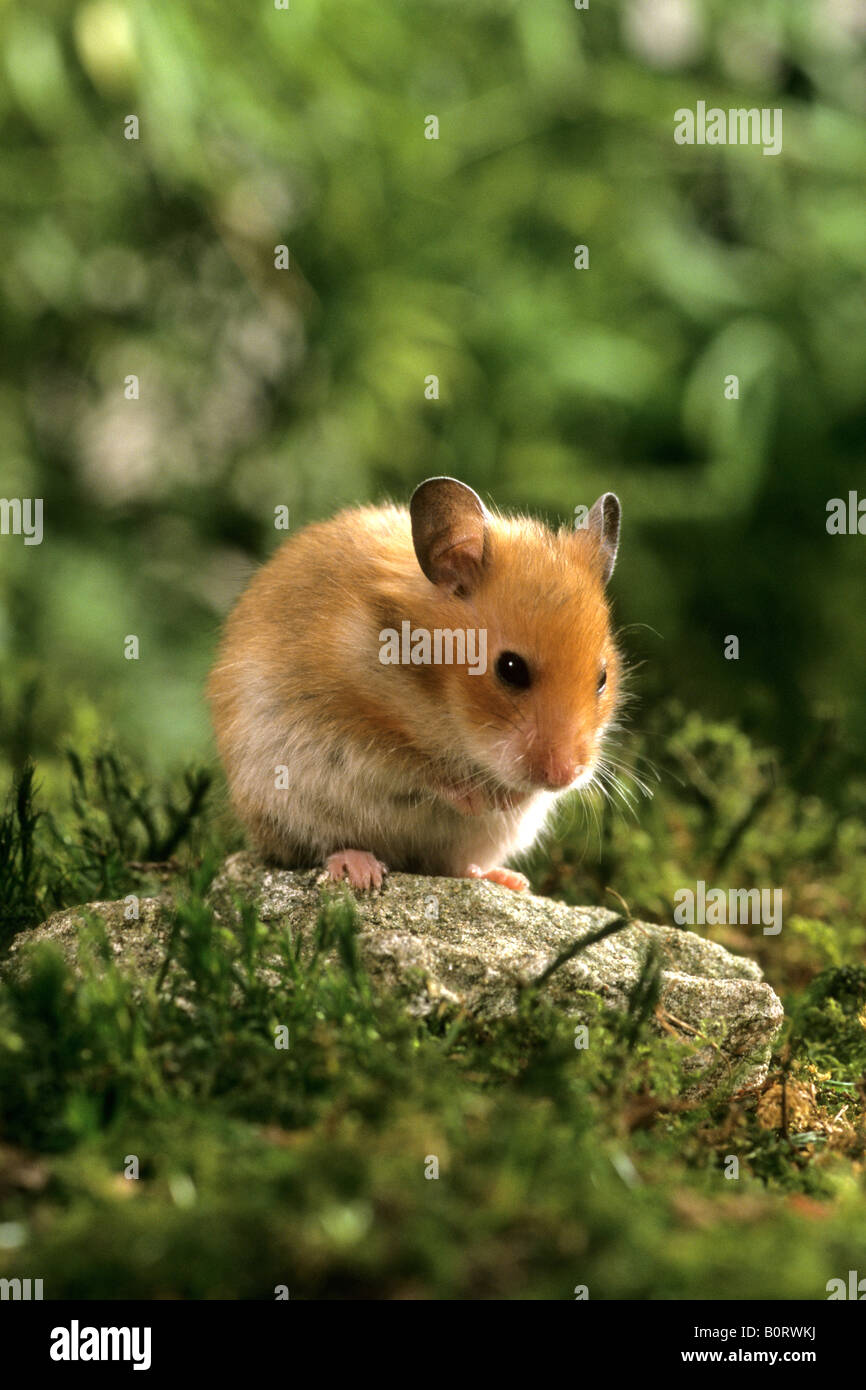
[557,765]
[559,772]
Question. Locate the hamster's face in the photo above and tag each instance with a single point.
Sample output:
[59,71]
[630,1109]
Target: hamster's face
[531,712]
[536,717]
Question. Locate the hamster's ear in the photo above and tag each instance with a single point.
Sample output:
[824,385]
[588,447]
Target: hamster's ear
[449,532]
[603,524]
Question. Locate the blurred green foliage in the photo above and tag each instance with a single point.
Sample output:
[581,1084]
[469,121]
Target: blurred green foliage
[412,257]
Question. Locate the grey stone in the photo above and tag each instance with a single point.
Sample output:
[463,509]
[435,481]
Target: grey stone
[474,945]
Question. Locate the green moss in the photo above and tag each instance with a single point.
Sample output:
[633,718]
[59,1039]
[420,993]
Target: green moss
[305,1165]
[830,1021]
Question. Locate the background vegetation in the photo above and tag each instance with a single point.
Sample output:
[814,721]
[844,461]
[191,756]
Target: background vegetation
[306,388]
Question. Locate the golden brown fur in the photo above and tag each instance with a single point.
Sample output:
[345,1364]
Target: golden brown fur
[429,767]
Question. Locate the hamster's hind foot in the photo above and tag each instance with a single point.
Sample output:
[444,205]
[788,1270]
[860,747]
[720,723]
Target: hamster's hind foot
[507,878]
[362,869]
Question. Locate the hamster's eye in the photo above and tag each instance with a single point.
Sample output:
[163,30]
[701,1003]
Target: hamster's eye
[602,679]
[513,670]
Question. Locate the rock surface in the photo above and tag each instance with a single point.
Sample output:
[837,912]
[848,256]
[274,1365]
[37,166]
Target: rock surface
[477,946]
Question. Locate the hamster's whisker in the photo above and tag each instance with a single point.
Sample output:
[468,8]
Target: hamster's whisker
[617,793]
[630,772]
[606,771]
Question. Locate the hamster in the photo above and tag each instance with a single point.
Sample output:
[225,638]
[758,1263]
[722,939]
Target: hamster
[347,744]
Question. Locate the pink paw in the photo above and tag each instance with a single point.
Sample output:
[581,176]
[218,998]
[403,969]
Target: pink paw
[362,869]
[508,878]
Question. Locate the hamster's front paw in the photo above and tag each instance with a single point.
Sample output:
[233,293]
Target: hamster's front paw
[508,878]
[362,869]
